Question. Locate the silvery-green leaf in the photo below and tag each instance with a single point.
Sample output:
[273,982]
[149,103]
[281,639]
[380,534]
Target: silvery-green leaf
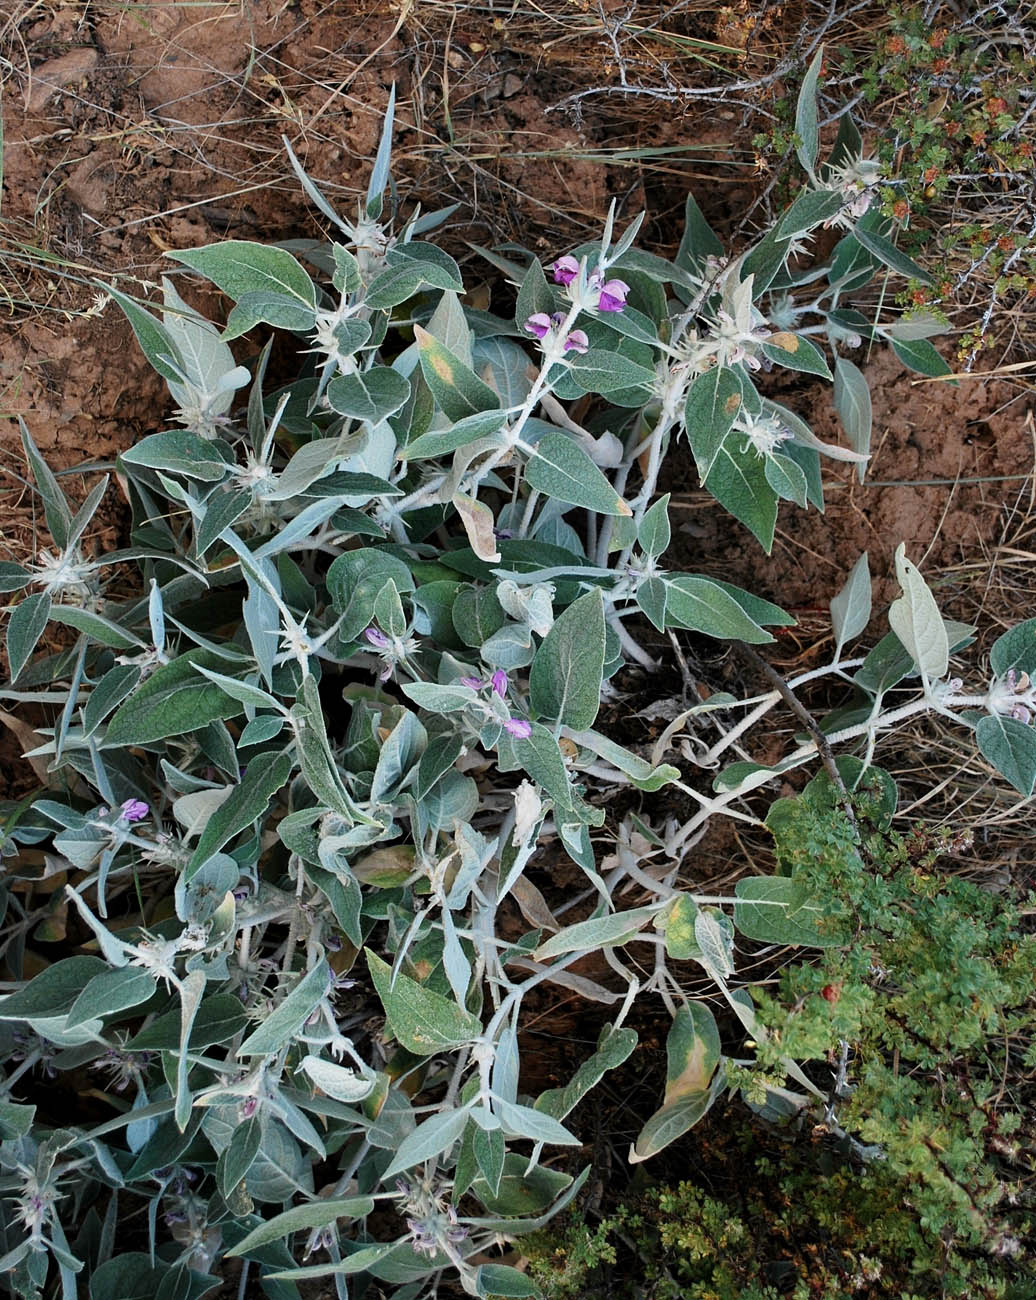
[642,774]
[173,701]
[15,1120]
[653,533]
[13,577]
[370,395]
[312,462]
[354,580]
[239,690]
[1015,649]
[699,242]
[422,1021]
[179,451]
[887,252]
[400,752]
[921,356]
[337,1081]
[524,1121]
[1010,746]
[55,507]
[239,266]
[449,325]
[599,932]
[603,371]
[388,611]
[712,932]
[796,352]
[320,1213]
[155,342]
[276,309]
[613,1048]
[111,992]
[54,991]
[501,1280]
[439,699]
[440,442]
[737,479]
[786,479]
[457,389]
[777,909]
[811,208]
[504,366]
[246,803]
[538,755]
[560,468]
[191,990]
[918,325]
[853,404]
[96,626]
[700,604]
[206,360]
[671,1122]
[806,120]
[565,681]
[915,619]
[428,1140]
[237,1158]
[851,608]
[24,629]
[535,294]
[284,1022]
[440,270]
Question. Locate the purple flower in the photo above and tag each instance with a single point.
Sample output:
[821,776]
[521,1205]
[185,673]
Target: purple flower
[577,342]
[376,637]
[134,810]
[565,270]
[519,728]
[499,680]
[613,295]
[476,683]
[539,325]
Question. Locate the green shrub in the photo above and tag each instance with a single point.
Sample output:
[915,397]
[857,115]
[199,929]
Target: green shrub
[297,781]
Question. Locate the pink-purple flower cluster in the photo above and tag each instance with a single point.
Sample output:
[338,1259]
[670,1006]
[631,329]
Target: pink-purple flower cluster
[517,727]
[133,810]
[610,295]
[543,325]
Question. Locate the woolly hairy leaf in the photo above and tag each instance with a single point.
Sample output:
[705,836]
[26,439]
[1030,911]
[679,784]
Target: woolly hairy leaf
[422,1021]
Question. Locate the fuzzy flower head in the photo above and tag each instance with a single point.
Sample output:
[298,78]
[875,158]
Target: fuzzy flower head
[601,295]
[544,328]
[858,180]
[763,433]
[430,1218]
[518,728]
[1014,696]
[393,650]
[739,330]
